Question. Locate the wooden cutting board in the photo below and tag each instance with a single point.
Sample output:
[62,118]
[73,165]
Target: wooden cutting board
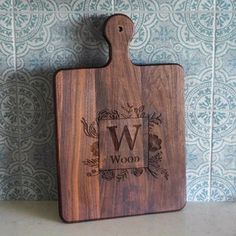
[120,135]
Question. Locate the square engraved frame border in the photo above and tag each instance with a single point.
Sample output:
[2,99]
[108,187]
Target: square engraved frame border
[146,160]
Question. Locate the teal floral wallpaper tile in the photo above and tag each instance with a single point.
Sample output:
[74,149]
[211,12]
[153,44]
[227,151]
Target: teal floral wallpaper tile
[224,91]
[63,5]
[42,5]
[135,5]
[6,5]
[60,41]
[195,5]
[223,172]
[6,33]
[229,5]
[224,161]
[225,33]
[39,37]
[198,143]
[10,176]
[165,5]
[11,181]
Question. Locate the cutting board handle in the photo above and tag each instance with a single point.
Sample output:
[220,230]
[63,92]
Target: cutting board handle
[119,31]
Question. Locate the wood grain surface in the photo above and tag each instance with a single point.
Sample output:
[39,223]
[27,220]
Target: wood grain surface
[120,135]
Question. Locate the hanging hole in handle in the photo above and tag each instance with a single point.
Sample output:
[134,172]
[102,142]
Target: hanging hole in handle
[120,28]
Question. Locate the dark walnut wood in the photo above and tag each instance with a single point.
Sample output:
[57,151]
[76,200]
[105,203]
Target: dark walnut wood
[120,134]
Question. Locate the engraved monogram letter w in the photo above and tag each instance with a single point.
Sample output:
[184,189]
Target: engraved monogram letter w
[125,132]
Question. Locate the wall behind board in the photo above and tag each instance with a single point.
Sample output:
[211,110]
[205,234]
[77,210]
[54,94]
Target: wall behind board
[38,37]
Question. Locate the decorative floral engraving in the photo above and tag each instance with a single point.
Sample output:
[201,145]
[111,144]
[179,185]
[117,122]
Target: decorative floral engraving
[154,145]
[89,130]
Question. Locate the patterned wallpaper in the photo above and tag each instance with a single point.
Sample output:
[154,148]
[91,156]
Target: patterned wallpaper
[37,37]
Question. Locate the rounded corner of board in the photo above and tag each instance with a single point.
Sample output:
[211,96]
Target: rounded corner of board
[181,68]
[183,205]
[64,219]
[58,74]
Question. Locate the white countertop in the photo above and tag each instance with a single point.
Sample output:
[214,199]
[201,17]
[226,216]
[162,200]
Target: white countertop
[21,218]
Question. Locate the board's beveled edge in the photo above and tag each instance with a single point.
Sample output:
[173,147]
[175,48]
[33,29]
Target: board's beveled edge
[58,75]
[123,216]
